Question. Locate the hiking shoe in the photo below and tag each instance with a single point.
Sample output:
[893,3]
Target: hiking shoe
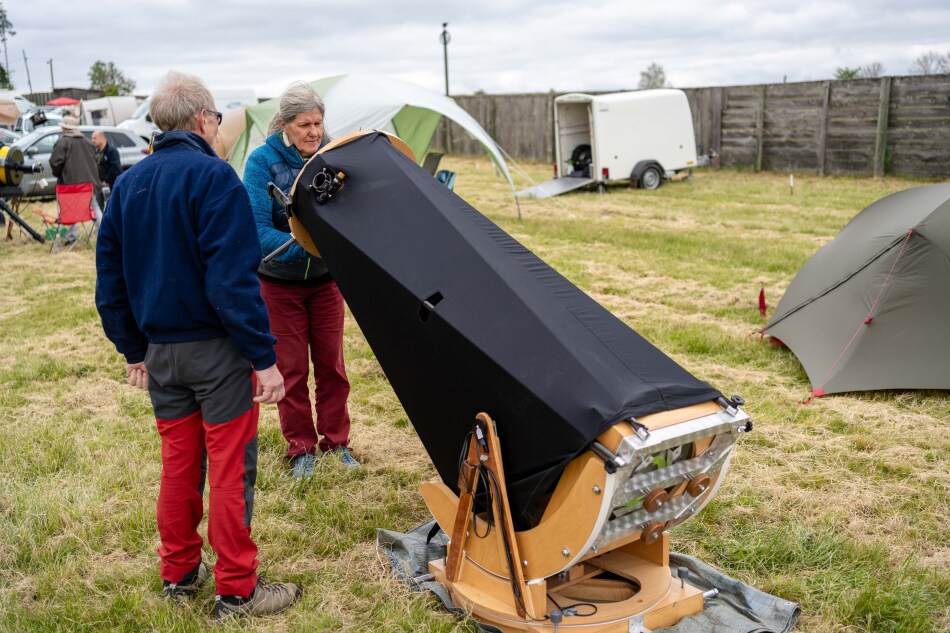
[303,466]
[343,454]
[268,597]
[187,586]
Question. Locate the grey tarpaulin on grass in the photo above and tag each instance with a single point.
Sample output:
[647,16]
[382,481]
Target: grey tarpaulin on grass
[738,609]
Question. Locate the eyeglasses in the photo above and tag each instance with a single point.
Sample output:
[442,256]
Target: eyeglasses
[217,115]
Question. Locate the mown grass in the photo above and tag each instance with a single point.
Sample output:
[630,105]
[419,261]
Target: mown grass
[840,505]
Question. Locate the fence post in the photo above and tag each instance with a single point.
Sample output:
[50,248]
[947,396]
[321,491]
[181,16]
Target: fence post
[883,111]
[823,128]
[759,129]
[715,125]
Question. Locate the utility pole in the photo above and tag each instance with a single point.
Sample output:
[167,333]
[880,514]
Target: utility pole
[446,38]
[52,84]
[30,83]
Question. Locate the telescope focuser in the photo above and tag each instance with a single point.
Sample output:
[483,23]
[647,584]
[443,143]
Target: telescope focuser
[326,184]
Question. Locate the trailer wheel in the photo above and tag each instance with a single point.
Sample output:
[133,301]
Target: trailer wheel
[581,158]
[651,178]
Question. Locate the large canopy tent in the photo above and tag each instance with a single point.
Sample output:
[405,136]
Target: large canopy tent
[232,127]
[365,101]
[869,309]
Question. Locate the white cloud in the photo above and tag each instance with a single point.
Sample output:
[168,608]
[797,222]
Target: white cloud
[515,46]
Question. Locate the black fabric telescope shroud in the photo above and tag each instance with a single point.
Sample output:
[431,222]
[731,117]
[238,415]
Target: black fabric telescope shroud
[510,336]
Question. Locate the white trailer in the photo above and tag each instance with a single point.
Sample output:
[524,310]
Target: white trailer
[107,111]
[644,137]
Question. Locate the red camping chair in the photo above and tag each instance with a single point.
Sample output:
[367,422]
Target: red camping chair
[75,208]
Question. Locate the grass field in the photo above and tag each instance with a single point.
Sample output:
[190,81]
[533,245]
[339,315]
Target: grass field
[841,505]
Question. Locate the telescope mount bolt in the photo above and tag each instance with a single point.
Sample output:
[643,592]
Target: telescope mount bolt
[596,490]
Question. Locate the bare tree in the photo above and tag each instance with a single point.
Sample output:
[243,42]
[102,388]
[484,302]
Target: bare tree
[872,70]
[930,63]
[653,77]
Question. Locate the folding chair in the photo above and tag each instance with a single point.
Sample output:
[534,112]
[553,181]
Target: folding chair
[75,208]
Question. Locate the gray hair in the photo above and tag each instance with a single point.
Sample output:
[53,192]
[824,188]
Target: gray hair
[177,100]
[298,98]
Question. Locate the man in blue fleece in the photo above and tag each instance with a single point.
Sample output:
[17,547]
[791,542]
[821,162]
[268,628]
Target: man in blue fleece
[178,295]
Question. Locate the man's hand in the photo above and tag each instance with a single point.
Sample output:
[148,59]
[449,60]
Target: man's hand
[137,375]
[270,385]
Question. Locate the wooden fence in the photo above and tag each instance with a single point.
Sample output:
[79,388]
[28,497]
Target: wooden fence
[40,98]
[888,125]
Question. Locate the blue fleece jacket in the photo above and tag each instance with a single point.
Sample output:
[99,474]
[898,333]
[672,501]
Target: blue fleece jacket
[177,255]
[278,163]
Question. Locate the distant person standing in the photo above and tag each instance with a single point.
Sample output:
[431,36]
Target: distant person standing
[73,162]
[107,159]
[179,297]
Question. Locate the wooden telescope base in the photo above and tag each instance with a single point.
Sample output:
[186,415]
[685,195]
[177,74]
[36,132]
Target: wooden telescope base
[630,593]
[514,581]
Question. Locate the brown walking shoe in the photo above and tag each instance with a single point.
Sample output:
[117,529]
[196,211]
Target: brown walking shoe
[268,597]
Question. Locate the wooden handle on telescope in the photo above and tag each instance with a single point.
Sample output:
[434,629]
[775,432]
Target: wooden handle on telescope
[484,452]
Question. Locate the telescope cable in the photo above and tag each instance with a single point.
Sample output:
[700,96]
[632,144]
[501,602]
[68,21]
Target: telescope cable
[572,610]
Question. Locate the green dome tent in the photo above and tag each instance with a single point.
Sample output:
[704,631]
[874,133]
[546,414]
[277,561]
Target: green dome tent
[365,101]
[870,309]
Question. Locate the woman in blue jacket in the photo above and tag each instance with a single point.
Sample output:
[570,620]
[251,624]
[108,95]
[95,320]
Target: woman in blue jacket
[303,301]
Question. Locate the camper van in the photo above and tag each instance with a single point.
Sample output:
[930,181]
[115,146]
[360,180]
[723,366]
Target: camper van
[643,137]
[224,100]
[107,110]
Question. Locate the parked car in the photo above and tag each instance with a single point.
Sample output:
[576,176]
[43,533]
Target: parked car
[7,136]
[37,147]
[40,116]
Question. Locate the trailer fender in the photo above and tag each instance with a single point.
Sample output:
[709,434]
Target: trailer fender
[647,174]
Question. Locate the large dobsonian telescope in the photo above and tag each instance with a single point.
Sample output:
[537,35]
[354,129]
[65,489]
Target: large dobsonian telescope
[567,445]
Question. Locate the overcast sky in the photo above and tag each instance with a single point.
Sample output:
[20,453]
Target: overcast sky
[498,47]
